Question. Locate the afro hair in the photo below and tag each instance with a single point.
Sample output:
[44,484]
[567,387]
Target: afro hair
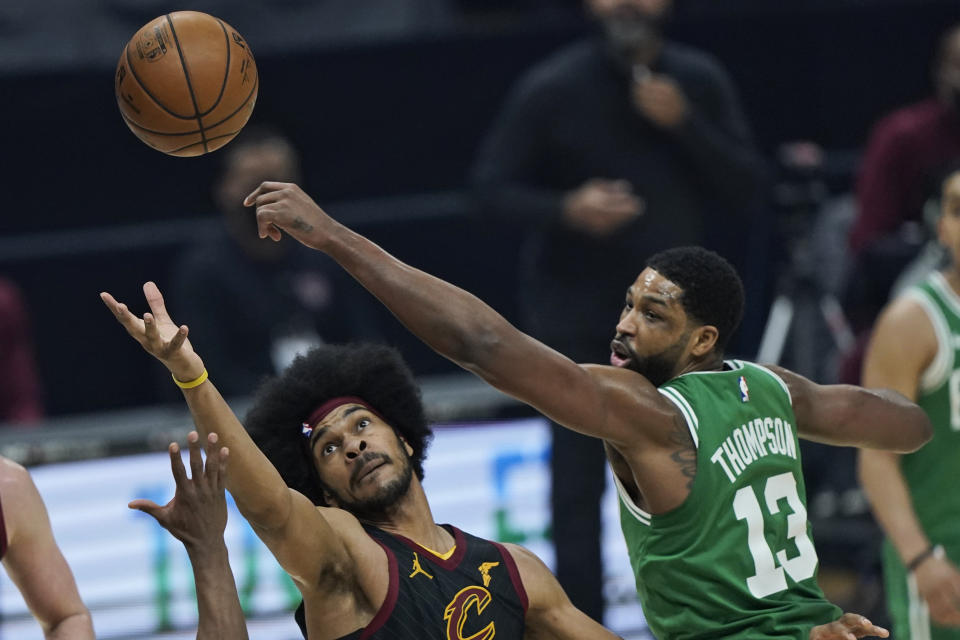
[712,290]
[375,373]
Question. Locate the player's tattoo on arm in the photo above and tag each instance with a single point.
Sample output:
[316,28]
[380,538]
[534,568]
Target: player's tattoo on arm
[301,225]
[685,453]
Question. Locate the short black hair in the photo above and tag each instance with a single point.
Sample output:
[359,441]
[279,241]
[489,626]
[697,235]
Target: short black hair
[376,373]
[712,289]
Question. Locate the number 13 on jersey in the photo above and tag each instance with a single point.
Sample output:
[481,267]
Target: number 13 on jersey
[770,565]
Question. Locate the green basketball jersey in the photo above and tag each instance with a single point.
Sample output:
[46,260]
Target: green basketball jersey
[933,472]
[736,559]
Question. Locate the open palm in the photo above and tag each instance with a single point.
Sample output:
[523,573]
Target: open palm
[158,334]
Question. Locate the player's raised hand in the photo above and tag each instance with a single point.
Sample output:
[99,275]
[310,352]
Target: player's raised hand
[197,514]
[850,626]
[285,206]
[158,334]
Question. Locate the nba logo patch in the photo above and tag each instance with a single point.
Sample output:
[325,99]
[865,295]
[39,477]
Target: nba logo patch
[744,390]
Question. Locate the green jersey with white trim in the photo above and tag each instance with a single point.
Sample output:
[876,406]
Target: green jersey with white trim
[933,472]
[735,559]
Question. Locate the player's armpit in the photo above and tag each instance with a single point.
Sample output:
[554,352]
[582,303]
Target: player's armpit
[550,614]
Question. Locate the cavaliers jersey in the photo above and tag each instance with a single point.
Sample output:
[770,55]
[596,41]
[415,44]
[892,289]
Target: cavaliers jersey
[931,473]
[474,592]
[735,559]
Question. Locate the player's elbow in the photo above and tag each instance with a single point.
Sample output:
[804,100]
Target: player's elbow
[917,433]
[77,624]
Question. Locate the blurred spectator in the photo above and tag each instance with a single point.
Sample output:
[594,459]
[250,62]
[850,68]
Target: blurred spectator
[906,151]
[257,303]
[615,147]
[19,383]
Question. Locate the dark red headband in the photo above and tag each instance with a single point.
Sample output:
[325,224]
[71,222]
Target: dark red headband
[324,410]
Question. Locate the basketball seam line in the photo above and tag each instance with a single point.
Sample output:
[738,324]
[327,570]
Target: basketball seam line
[196,131]
[226,70]
[193,144]
[186,75]
[143,86]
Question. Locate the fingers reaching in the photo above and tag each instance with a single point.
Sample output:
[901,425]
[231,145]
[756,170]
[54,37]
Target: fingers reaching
[130,322]
[222,475]
[265,187]
[155,301]
[196,461]
[149,507]
[176,465]
[212,468]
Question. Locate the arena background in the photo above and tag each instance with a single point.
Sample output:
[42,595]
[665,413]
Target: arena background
[387,106]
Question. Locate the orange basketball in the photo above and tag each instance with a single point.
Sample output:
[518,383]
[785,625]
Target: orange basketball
[186,83]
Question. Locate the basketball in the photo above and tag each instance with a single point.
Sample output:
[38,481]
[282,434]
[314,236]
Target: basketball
[186,83]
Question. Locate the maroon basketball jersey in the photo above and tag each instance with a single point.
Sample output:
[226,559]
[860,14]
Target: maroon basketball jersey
[474,593]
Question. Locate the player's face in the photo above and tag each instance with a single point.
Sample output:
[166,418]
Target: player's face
[363,463]
[949,225]
[251,165]
[626,10]
[653,334]
[948,74]
[646,8]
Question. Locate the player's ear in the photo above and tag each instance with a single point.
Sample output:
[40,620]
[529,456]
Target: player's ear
[406,445]
[704,339]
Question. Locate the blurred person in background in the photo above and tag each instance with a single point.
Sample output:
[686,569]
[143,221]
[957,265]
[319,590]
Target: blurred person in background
[915,350]
[33,560]
[616,147]
[20,397]
[258,306]
[907,151]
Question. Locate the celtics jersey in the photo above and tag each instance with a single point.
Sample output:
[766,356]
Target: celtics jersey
[735,559]
[933,472]
[472,593]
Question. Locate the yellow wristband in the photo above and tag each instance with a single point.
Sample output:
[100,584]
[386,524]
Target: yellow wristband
[196,382]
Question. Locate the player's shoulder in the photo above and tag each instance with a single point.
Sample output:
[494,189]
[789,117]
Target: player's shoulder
[13,475]
[907,312]
[562,68]
[692,58]
[529,565]
[341,520]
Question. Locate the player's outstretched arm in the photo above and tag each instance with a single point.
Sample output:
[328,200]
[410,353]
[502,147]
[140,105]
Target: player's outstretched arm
[850,626]
[464,329]
[34,562]
[550,614]
[847,415]
[279,515]
[258,489]
[197,517]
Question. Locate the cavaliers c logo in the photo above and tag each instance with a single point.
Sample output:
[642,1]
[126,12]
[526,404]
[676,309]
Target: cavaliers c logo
[456,613]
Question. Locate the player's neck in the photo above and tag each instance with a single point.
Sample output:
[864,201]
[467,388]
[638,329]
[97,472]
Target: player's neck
[412,518]
[712,362]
